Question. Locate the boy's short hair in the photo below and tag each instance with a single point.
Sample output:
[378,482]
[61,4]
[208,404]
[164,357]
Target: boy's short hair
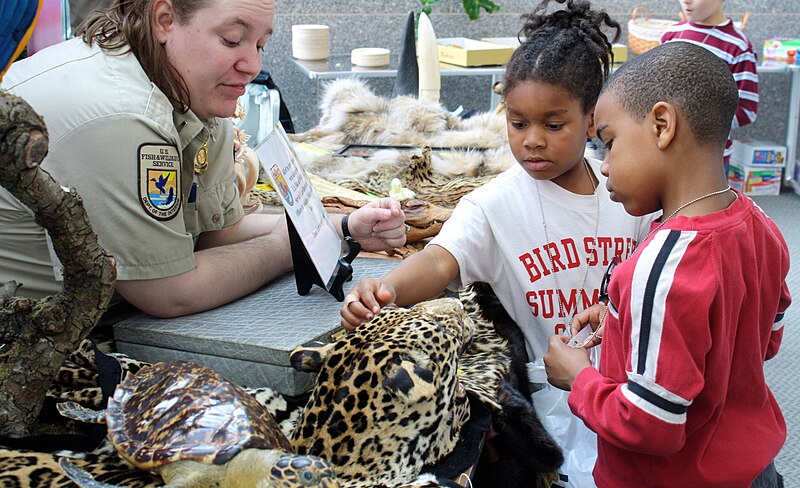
[688,77]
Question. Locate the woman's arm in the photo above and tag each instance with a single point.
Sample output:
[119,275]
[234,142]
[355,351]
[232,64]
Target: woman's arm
[222,274]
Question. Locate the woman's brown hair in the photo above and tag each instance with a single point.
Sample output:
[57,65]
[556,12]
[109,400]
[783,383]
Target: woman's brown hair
[128,23]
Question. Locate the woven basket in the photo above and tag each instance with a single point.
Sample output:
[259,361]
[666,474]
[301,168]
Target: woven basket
[645,33]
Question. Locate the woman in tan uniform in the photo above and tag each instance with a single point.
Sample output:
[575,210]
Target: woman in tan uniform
[138,127]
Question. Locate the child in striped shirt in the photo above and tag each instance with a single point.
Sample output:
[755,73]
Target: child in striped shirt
[706,25]
[680,398]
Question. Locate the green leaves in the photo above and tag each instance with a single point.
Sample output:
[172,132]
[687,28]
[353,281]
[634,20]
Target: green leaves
[471,7]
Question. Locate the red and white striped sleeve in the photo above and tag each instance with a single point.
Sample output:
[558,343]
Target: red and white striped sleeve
[732,46]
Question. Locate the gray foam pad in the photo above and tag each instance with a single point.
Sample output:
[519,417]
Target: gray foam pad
[247,341]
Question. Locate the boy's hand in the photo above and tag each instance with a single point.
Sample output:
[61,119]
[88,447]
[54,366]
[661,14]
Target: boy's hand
[364,301]
[590,317]
[379,225]
[563,363]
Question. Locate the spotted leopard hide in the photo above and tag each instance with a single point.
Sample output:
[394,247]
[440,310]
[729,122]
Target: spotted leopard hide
[486,368]
[519,453]
[23,469]
[387,400]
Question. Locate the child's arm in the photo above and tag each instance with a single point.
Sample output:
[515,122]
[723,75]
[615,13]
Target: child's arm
[608,407]
[746,77]
[777,329]
[656,345]
[420,277]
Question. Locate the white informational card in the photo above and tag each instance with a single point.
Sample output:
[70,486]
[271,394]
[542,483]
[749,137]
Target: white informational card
[300,202]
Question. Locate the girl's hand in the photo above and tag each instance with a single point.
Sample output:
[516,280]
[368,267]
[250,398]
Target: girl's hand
[364,301]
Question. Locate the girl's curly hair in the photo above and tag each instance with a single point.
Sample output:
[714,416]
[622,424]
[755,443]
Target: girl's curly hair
[567,48]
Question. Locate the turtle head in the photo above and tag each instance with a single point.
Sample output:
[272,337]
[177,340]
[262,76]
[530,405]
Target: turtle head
[302,471]
[271,468]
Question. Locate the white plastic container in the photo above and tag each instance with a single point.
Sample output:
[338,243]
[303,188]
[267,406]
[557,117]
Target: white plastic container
[762,179]
[370,57]
[746,151]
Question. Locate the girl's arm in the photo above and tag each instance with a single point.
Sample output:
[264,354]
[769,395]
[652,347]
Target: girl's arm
[420,277]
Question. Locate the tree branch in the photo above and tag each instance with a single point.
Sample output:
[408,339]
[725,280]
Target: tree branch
[36,335]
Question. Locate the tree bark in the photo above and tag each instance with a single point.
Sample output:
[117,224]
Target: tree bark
[36,335]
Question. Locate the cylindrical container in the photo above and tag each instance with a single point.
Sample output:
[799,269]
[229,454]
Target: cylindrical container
[370,57]
[310,42]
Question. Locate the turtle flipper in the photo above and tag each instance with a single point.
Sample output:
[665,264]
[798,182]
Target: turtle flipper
[76,411]
[81,477]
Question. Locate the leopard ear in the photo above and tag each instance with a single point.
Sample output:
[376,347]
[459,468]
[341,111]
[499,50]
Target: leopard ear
[406,380]
[310,356]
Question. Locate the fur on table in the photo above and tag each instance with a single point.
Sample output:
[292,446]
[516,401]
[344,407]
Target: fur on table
[353,114]
[491,368]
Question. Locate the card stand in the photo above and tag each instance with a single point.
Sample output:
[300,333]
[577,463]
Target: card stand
[305,273]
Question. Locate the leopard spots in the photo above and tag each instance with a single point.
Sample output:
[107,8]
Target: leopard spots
[386,400]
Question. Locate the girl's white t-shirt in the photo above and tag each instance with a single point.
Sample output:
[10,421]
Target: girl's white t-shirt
[497,236]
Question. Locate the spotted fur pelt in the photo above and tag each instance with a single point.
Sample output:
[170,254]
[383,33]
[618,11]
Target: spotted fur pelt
[491,368]
[377,437]
[387,398]
[22,469]
[353,114]
[78,380]
[519,453]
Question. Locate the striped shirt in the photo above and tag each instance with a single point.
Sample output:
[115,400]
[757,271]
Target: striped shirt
[680,398]
[731,45]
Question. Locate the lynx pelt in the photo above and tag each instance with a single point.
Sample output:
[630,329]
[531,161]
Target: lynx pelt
[353,114]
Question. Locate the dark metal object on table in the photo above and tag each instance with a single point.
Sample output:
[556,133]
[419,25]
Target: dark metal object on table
[305,273]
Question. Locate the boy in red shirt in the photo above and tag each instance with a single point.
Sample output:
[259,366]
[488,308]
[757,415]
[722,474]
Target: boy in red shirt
[706,25]
[680,398]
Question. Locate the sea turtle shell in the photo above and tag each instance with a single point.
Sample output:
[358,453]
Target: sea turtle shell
[181,410]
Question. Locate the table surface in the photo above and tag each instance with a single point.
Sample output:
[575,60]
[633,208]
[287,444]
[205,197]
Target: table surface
[264,326]
[339,65]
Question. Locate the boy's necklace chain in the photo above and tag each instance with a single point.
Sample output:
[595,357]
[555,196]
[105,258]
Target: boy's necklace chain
[547,238]
[702,197]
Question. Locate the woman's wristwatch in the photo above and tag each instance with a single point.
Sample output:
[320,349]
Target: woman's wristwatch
[345,230]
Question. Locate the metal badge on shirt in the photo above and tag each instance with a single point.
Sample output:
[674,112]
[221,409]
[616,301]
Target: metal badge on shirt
[159,180]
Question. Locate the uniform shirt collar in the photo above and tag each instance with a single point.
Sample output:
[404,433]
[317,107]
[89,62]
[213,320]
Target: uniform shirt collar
[190,126]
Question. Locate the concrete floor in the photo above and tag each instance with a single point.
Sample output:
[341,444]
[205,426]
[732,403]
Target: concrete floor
[783,371]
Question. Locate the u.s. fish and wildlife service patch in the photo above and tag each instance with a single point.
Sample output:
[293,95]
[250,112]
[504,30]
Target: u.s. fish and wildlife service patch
[159,180]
